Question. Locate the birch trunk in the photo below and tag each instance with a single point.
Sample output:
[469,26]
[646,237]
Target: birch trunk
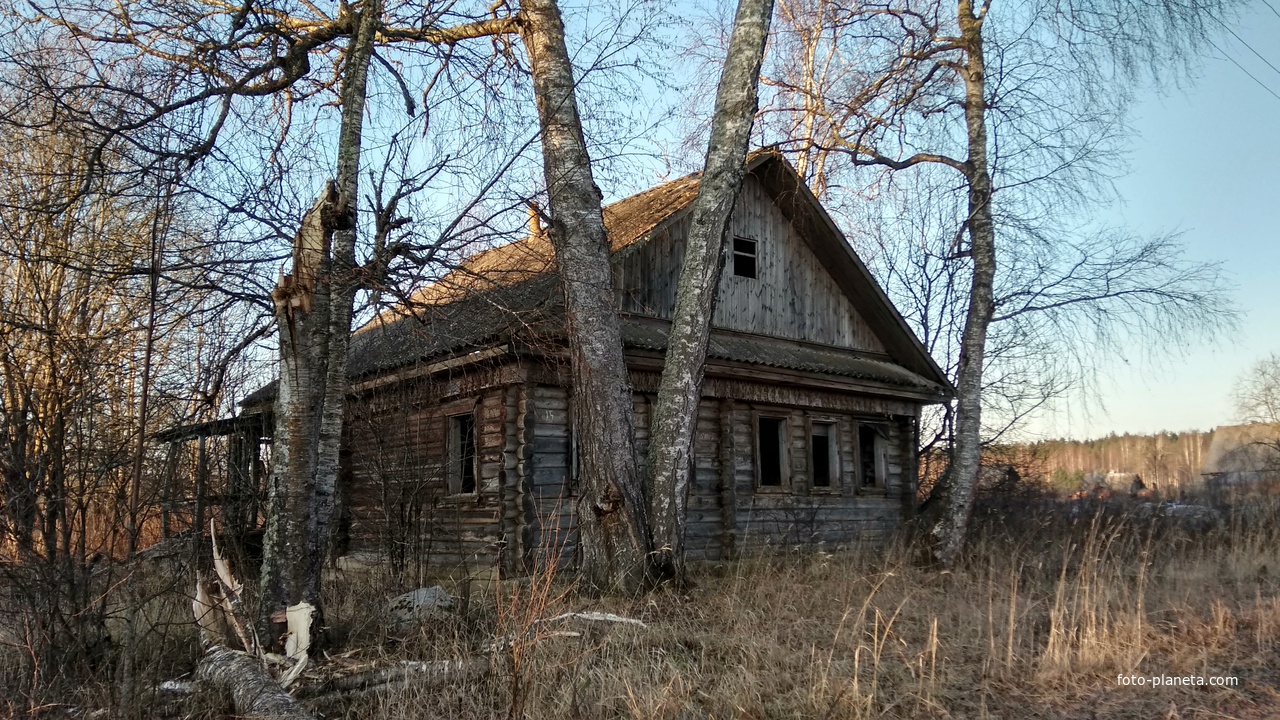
[254,693]
[953,499]
[344,280]
[313,311]
[675,415]
[611,513]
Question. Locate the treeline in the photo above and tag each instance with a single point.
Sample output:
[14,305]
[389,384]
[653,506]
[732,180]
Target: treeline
[1166,460]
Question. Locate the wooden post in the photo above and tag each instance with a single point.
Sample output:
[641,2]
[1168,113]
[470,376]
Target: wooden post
[201,487]
[166,489]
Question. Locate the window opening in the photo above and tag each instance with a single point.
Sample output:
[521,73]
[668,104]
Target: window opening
[769,441]
[821,451]
[463,454]
[745,257]
[871,456]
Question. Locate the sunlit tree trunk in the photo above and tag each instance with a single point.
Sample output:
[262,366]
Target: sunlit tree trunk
[675,414]
[611,514]
[953,498]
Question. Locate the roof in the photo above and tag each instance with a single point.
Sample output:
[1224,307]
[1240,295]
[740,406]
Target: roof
[1251,449]
[395,340]
[786,354]
[211,428]
[627,222]
[511,289]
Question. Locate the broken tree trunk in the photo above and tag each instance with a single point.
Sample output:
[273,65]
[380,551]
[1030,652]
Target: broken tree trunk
[611,513]
[254,693]
[676,413]
[313,311]
[302,302]
[421,675]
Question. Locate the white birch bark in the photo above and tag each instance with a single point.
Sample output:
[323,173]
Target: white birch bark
[313,311]
[675,415]
[953,498]
[254,693]
[611,513]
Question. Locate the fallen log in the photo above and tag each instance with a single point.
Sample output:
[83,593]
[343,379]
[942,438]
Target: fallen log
[254,693]
[432,674]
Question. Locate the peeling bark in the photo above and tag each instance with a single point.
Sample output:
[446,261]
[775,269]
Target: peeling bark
[670,462]
[611,514]
[952,502]
[254,693]
[416,674]
[313,311]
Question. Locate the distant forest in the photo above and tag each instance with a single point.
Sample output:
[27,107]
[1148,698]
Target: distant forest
[1167,460]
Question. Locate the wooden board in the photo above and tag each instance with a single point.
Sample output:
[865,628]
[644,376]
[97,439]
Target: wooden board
[793,295]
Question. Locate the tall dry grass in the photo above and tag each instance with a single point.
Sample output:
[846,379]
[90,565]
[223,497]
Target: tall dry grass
[1052,603]
[1044,614]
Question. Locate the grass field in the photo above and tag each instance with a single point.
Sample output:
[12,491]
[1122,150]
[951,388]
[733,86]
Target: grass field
[1050,608]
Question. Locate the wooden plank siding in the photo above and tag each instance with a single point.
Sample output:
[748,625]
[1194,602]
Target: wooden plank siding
[552,535]
[398,505]
[727,511]
[523,513]
[793,296]
[801,514]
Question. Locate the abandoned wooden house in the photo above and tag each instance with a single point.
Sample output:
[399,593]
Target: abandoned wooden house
[461,445]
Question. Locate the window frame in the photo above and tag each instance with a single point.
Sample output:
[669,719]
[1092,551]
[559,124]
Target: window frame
[879,460]
[784,457]
[834,470]
[455,456]
[754,255]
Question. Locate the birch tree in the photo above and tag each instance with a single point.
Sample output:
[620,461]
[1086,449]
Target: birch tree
[675,414]
[1018,100]
[313,316]
[611,514]
[1256,394]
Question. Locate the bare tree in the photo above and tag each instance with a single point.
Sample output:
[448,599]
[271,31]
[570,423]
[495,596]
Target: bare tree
[669,464]
[1068,303]
[1022,102]
[1257,392]
[313,315]
[611,510]
[102,291]
[212,63]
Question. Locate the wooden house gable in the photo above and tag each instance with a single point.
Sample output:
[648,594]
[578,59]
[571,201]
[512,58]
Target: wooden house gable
[775,286]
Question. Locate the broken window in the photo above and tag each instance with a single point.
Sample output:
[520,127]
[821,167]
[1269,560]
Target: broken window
[769,455]
[462,454]
[823,461]
[745,257]
[872,455]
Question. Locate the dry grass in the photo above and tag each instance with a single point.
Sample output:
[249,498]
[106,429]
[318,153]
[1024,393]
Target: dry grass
[1039,621]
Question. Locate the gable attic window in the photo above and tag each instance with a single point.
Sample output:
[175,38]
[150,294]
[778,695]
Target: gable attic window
[770,452]
[462,454]
[872,456]
[746,258]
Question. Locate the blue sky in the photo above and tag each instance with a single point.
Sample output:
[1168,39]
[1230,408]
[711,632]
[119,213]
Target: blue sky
[1206,162]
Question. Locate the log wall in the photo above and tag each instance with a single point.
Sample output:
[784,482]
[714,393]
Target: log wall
[397,503]
[728,513]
